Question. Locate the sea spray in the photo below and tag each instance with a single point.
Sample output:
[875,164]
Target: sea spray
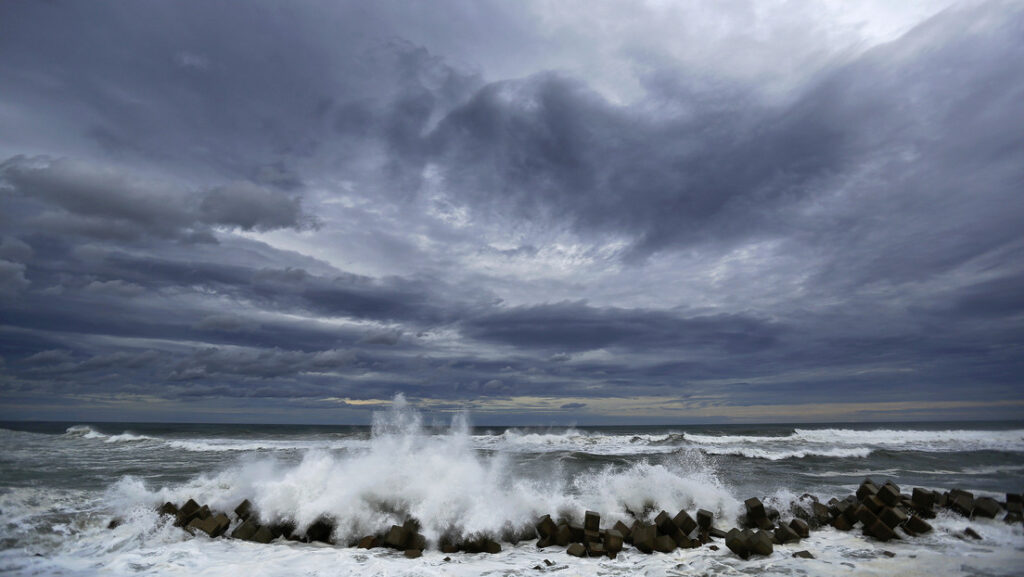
[440,479]
[59,490]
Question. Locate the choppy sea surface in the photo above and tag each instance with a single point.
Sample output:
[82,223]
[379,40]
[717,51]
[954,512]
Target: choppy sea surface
[62,483]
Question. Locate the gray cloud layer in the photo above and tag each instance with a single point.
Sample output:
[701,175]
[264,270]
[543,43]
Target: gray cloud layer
[293,205]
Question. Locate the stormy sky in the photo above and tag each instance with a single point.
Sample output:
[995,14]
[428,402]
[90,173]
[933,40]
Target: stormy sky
[543,212]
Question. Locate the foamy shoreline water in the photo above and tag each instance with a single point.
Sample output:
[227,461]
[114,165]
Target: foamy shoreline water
[60,489]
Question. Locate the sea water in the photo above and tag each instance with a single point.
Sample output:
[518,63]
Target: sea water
[62,483]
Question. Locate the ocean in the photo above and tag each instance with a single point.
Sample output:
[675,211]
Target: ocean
[61,484]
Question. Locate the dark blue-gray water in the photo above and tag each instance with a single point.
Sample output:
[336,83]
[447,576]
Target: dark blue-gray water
[61,483]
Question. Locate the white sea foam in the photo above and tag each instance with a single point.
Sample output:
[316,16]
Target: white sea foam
[572,440]
[801,443]
[87,432]
[441,480]
[451,485]
[780,454]
[214,445]
[932,441]
[847,443]
[146,544]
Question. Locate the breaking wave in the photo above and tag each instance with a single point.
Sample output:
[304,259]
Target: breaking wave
[442,480]
[87,432]
[778,455]
[796,444]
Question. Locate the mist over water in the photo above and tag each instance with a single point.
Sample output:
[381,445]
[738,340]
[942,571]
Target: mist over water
[63,483]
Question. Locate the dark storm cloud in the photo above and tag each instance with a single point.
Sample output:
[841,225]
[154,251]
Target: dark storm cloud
[105,203]
[349,295]
[574,326]
[321,201]
[932,115]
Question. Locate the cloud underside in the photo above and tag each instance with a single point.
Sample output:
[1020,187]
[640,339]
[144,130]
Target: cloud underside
[309,231]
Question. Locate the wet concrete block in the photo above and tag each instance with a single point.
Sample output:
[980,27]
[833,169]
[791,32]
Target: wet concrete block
[664,544]
[879,530]
[596,549]
[243,510]
[613,541]
[962,503]
[986,507]
[578,532]
[246,530]
[803,555]
[168,508]
[413,553]
[842,523]
[591,536]
[820,513]
[643,537]
[918,525]
[716,533]
[577,550]
[893,517]
[591,521]
[186,513]
[449,544]
[525,533]
[736,541]
[623,530]
[368,542]
[922,499]
[785,534]
[214,525]
[704,519]
[798,511]
[685,522]
[866,517]
[755,509]
[489,546]
[541,544]
[800,527]
[761,543]
[546,527]
[664,523]
[320,530]
[263,535]
[563,536]
[284,529]
[972,534]
[953,493]
[417,541]
[396,538]
[889,494]
[866,489]
[482,545]
[874,503]
[851,510]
